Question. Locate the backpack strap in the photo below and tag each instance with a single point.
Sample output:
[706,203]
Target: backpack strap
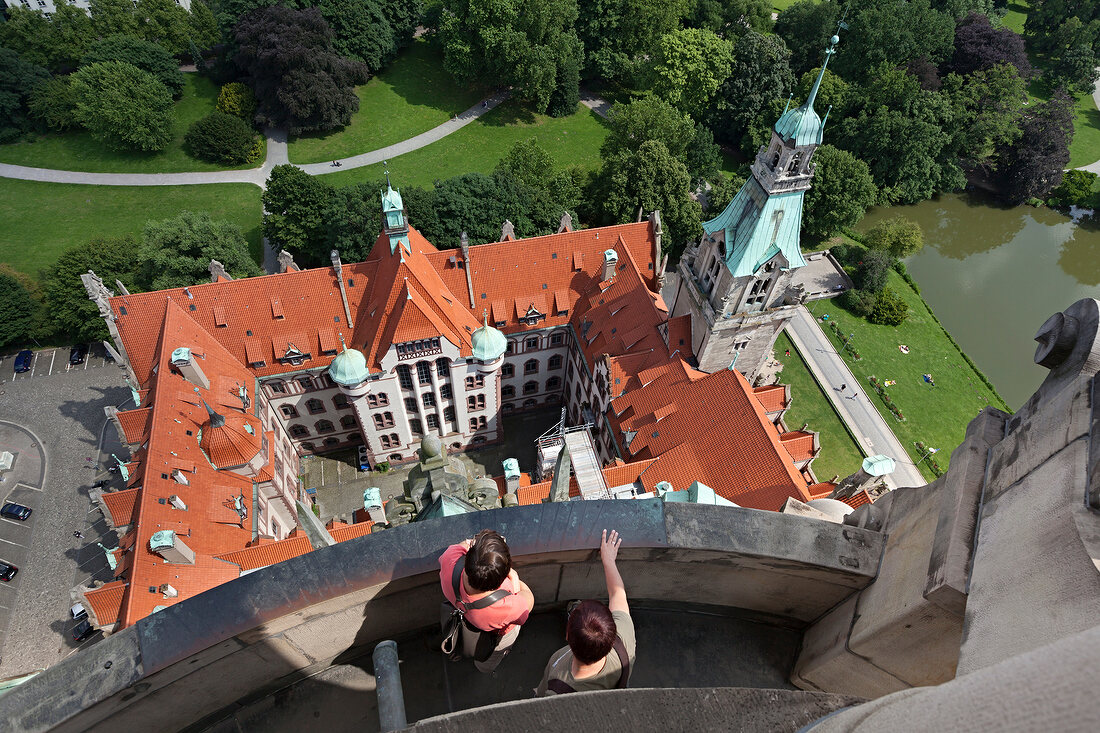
[558,687]
[456,584]
[624,661]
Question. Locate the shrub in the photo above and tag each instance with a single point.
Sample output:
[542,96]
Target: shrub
[871,272]
[898,236]
[123,106]
[902,270]
[221,138]
[1075,189]
[146,55]
[889,310]
[237,99]
[53,104]
[859,302]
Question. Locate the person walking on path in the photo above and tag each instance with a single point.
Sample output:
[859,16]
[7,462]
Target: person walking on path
[601,642]
[843,387]
[472,571]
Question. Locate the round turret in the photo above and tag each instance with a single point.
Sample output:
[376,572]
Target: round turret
[489,343]
[349,368]
[800,124]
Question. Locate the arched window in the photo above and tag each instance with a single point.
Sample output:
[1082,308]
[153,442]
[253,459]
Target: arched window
[299,431]
[527,404]
[416,427]
[340,401]
[315,406]
[330,442]
[355,438]
[507,370]
[288,411]
[404,376]
[424,372]
[410,405]
[475,402]
[507,391]
[531,366]
[445,391]
[307,446]
[507,407]
[395,456]
[277,386]
[347,422]
[530,387]
[775,158]
[324,426]
[448,413]
[796,161]
[553,383]
[306,383]
[554,363]
[432,420]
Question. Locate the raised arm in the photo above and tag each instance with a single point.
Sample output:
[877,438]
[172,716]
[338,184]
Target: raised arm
[616,591]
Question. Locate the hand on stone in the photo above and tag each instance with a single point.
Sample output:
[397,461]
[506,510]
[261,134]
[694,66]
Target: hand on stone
[609,546]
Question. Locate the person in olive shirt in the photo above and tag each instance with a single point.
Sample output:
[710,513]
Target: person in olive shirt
[601,644]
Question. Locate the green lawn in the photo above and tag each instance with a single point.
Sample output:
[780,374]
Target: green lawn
[77,151]
[840,456]
[781,5]
[936,416]
[411,96]
[1085,147]
[1016,15]
[41,220]
[478,147]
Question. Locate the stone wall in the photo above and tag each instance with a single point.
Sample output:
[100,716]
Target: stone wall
[275,625]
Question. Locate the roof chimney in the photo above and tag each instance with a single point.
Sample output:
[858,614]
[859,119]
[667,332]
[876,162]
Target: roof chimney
[339,268]
[566,224]
[171,547]
[168,591]
[189,368]
[179,477]
[511,475]
[464,245]
[177,502]
[372,504]
[610,260]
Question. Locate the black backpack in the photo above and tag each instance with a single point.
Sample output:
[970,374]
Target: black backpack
[558,687]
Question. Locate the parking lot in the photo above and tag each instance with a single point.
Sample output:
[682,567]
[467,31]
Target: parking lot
[54,361]
[52,418]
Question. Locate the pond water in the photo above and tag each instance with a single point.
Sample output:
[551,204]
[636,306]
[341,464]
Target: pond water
[993,275]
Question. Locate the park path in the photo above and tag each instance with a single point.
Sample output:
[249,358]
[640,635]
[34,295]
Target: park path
[277,154]
[596,103]
[853,404]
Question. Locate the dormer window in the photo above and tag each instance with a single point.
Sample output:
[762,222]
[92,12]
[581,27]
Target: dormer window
[420,347]
[394,220]
[294,355]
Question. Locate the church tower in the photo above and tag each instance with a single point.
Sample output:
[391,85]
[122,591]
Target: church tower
[394,224]
[736,283]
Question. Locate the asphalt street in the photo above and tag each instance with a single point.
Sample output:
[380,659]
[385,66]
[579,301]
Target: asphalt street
[52,418]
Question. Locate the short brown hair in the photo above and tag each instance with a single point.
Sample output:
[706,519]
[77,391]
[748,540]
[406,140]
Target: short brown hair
[590,631]
[488,561]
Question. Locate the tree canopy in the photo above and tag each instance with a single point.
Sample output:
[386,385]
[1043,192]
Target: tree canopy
[688,67]
[1032,166]
[19,309]
[70,311]
[295,210]
[980,46]
[651,118]
[122,106]
[145,55]
[898,236]
[759,76]
[299,81]
[618,35]
[528,44]
[1066,33]
[176,252]
[18,79]
[842,192]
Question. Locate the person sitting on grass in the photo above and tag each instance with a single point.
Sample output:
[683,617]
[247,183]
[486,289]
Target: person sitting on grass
[601,643]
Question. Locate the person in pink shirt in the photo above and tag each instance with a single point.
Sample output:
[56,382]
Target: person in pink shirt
[491,630]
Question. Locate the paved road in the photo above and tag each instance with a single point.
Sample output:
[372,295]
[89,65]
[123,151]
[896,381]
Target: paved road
[62,409]
[853,404]
[277,154]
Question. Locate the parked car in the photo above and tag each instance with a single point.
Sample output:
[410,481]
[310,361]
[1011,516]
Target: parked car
[78,612]
[12,510]
[83,630]
[77,354]
[23,361]
[7,570]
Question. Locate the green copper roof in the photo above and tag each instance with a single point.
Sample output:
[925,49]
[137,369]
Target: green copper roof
[758,227]
[349,368]
[801,124]
[879,465]
[391,199]
[511,468]
[489,343]
[162,539]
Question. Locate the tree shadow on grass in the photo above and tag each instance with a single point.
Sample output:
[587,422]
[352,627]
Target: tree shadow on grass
[508,113]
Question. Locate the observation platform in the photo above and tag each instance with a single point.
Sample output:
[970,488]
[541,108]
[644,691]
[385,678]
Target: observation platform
[686,647]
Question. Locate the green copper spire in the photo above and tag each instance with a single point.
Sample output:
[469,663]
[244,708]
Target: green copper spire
[394,224]
[801,124]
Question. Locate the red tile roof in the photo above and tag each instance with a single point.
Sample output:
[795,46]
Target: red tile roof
[800,444]
[268,553]
[773,397]
[121,505]
[106,601]
[858,499]
[134,424]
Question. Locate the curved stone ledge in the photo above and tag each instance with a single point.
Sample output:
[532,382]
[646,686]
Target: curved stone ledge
[723,708]
[245,638]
